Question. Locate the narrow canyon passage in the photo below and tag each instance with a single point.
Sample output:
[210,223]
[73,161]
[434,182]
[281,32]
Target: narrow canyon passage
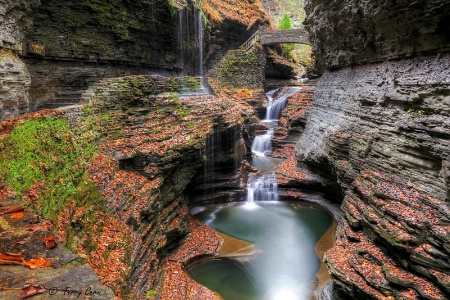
[285,233]
[269,149]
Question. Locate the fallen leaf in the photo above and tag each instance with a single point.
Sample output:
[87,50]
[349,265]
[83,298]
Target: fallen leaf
[18,215]
[8,256]
[49,241]
[45,226]
[38,262]
[11,258]
[10,209]
[31,290]
[10,262]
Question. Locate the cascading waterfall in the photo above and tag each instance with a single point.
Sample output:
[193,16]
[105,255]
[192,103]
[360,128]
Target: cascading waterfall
[262,145]
[275,105]
[265,187]
[262,188]
[190,42]
[200,48]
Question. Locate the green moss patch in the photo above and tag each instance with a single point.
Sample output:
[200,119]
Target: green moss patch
[45,162]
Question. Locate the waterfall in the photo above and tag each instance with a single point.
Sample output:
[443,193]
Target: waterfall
[265,187]
[190,25]
[262,145]
[269,102]
[262,188]
[275,105]
[200,47]
[181,46]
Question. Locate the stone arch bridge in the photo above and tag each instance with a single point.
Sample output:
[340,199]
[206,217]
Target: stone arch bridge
[272,37]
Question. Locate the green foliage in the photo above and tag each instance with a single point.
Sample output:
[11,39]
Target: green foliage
[303,54]
[285,23]
[183,112]
[296,8]
[150,293]
[191,84]
[416,113]
[238,60]
[46,151]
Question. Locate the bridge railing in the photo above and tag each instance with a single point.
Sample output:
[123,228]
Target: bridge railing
[251,41]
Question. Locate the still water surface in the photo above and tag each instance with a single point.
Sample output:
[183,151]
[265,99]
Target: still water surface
[286,233]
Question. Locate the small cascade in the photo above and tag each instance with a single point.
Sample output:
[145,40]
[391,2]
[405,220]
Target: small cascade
[262,188]
[277,103]
[265,187]
[262,145]
[269,102]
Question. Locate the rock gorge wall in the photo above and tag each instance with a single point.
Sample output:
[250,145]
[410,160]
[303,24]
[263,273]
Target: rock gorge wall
[154,146]
[15,18]
[379,127]
[86,41]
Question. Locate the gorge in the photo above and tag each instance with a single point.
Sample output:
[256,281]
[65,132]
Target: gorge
[164,118]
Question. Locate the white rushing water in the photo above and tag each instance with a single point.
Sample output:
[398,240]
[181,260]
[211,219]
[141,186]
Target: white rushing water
[262,144]
[277,101]
[262,188]
[265,187]
[200,49]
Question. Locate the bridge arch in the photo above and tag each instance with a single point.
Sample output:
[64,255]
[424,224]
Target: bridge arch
[296,36]
[272,37]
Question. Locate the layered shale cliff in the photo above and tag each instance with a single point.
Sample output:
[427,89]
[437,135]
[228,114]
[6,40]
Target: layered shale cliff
[379,129]
[155,145]
[82,42]
[15,18]
[112,174]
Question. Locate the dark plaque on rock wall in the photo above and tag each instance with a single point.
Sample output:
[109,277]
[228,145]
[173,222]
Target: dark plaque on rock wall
[36,48]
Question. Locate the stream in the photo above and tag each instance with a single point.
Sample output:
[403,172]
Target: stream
[285,233]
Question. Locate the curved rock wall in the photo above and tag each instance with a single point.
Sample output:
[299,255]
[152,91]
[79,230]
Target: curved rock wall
[14,85]
[381,131]
[357,32]
[15,18]
[86,41]
[154,145]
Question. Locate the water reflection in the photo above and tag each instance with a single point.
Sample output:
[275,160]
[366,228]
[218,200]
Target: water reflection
[286,234]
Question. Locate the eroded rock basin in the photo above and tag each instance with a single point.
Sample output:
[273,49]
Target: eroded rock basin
[285,264]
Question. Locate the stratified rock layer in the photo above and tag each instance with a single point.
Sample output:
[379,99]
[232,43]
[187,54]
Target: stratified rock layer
[14,85]
[380,132]
[15,18]
[391,118]
[356,32]
[154,146]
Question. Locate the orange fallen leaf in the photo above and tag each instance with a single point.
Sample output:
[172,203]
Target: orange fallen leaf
[10,262]
[31,290]
[11,258]
[49,241]
[38,262]
[18,215]
[10,209]
[8,256]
